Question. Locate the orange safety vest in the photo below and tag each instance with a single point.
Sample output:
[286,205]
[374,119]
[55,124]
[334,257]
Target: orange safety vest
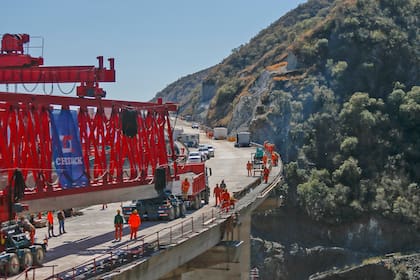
[226,196]
[185,186]
[264,159]
[249,165]
[134,220]
[217,191]
[50,217]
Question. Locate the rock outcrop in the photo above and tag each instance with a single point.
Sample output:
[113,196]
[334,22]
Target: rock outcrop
[289,245]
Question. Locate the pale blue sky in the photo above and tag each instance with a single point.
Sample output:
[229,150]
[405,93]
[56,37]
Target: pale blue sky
[154,42]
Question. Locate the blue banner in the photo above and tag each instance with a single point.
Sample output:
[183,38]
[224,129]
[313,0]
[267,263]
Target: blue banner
[67,150]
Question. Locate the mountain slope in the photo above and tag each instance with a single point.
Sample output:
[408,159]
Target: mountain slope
[335,84]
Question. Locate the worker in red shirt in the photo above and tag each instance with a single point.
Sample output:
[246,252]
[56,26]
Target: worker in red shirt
[185,187]
[216,193]
[134,221]
[266,173]
[50,219]
[249,168]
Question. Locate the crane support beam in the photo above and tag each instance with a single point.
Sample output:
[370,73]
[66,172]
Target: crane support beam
[56,74]
[50,100]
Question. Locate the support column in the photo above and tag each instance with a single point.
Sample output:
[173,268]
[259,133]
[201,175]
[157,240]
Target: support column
[230,259]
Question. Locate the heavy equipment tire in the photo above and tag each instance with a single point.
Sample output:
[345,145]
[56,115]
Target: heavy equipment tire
[171,214]
[183,209]
[27,259]
[13,266]
[177,211]
[39,256]
[197,202]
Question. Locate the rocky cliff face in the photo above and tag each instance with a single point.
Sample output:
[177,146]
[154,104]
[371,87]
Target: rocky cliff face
[288,244]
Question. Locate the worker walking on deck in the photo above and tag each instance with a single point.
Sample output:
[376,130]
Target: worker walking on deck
[134,221]
[266,173]
[265,159]
[185,188]
[274,158]
[225,201]
[216,193]
[118,224]
[61,218]
[28,227]
[50,219]
[223,184]
[249,168]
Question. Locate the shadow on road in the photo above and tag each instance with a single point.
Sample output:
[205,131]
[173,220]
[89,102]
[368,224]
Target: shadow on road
[85,246]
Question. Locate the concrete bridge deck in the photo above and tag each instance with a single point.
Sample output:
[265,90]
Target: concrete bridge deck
[165,250]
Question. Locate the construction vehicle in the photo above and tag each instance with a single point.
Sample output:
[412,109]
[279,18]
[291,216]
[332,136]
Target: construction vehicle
[165,207]
[68,152]
[190,140]
[17,252]
[199,192]
[170,204]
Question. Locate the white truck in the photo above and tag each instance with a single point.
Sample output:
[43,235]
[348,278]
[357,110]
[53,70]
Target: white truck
[243,139]
[220,133]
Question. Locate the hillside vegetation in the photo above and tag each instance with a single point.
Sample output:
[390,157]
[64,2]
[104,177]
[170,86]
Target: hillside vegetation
[336,86]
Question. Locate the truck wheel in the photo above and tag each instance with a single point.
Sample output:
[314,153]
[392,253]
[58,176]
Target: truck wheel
[13,266]
[206,197]
[39,256]
[27,259]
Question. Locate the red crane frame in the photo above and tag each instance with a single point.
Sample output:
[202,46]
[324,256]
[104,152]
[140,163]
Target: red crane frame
[111,158]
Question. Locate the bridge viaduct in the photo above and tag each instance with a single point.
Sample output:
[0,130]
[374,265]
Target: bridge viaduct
[207,244]
[220,250]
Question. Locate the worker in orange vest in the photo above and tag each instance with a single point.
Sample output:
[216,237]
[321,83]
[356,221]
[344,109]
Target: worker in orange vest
[225,201]
[134,221]
[264,159]
[266,173]
[274,158]
[185,188]
[249,168]
[216,193]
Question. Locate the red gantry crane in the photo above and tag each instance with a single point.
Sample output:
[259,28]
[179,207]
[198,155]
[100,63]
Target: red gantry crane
[60,152]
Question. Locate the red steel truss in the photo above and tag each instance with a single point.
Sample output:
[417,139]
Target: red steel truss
[112,159]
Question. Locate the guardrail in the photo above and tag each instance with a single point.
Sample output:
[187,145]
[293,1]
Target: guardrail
[144,246]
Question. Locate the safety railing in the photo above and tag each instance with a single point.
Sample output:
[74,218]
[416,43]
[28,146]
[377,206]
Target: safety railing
[144,246]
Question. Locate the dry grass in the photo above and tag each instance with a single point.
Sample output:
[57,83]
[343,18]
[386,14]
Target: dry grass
[276,66]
